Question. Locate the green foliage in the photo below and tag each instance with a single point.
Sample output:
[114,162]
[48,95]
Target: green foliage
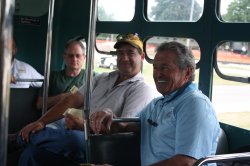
[176,10]
[238,11]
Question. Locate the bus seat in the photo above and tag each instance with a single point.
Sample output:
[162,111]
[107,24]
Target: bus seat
[121,149]
[222,147]
[22,108]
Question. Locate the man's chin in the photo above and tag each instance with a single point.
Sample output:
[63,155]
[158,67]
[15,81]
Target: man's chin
[125,70]
[161,87]
[162,91]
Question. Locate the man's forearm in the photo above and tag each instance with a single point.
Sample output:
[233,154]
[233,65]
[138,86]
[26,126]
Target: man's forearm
[56,112]
[51,101]
[53,114]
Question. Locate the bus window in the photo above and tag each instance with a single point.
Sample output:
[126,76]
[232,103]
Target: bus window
[105,42]
[231,102]
[105,58]
[235,11]
[180,11]
[153,42]
[233,61]
[116,10]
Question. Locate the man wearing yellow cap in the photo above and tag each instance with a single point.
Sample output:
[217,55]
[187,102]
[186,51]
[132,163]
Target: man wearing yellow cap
[123,92]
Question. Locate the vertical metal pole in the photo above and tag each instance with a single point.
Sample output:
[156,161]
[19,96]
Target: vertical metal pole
[89,71]
[48,55]
[6,15]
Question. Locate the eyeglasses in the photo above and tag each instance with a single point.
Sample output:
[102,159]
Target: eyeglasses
[71,55]
[130,36]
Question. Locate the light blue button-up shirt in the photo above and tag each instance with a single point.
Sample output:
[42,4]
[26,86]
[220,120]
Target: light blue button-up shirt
[186,125]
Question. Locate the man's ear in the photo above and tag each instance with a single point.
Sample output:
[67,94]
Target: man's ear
[142,56]
[189,72]
[14,51]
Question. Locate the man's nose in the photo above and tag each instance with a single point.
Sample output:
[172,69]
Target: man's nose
[158,73]
[125,56]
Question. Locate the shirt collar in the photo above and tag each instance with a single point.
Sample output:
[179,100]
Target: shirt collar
[137,77]
[188,86]
[169,97]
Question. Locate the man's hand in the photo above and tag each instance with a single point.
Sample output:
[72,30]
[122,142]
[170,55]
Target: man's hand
[100,122]
[31,128]
[72,122]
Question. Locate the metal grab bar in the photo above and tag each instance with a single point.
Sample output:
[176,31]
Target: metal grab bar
[29,80]
[48,55]
[6,15]
[135,119]
[89,73]
[223,157]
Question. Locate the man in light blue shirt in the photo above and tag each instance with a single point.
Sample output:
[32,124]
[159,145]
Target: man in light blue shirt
[178,128]
[188,125]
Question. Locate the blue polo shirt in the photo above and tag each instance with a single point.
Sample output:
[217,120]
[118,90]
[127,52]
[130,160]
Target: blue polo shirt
[184,124]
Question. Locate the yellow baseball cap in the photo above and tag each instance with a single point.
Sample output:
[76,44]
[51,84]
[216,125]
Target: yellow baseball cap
[132,39]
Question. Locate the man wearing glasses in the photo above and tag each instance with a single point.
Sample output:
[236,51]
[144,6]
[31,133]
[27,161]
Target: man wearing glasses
[123,92]
[66,81]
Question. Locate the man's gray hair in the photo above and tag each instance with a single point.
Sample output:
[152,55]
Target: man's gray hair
[79,40]
[185,57]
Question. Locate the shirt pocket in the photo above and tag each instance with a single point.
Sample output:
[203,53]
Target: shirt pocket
[167,117]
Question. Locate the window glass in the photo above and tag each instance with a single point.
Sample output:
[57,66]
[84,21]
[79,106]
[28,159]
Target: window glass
[153,42]
[231,102]
[235,11]
[233,59]
[175,10]
[148,76]
[105,58]
[105,42]
[116,10]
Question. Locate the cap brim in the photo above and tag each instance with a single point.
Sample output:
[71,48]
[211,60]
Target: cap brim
[118,44]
